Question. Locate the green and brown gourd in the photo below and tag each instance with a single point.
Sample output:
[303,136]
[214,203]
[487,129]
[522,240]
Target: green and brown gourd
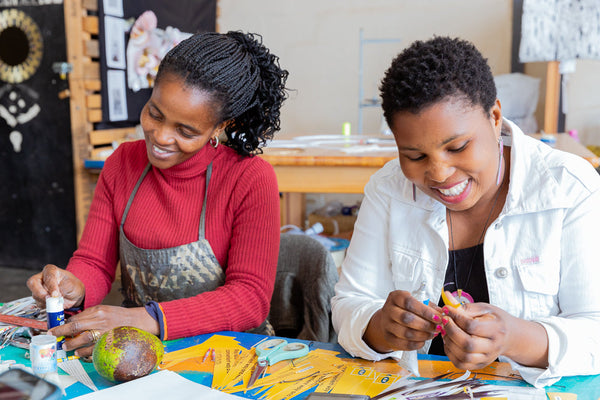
[126,353]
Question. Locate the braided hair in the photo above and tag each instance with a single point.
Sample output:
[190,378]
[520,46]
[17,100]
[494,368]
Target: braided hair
[244,79]
[434,70]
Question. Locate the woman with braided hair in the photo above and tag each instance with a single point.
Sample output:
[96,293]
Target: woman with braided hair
[189,213]
[491,226]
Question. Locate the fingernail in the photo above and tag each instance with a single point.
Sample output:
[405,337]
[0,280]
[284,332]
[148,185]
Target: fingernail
[436,318]
[445,310]
[55,293]
[439,328]
[443,332]
[445,320]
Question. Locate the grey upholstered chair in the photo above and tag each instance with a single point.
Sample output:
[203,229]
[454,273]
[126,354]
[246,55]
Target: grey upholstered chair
[301,303]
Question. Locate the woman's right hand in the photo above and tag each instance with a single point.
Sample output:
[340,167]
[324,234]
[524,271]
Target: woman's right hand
[54,282]
[403,323]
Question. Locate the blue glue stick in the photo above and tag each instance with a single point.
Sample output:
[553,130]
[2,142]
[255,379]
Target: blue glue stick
[56,315]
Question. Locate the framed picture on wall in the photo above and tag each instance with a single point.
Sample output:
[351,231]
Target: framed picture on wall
[190,16]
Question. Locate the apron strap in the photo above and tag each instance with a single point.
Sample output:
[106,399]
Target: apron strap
[135,189]
[201,230]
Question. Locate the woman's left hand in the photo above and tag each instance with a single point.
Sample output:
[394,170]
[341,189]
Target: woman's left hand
[476,334]
[83,330]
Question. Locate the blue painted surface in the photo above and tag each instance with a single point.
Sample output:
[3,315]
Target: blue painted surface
[586,387]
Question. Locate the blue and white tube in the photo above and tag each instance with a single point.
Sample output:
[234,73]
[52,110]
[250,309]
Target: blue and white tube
[56,315]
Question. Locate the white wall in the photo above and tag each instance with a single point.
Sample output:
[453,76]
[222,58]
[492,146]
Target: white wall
[582,96]
[318,43]
[583,101]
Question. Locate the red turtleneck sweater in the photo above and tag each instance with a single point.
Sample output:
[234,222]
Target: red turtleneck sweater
[242,227]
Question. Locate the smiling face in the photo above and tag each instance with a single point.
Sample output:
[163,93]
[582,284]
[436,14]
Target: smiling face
[178,121]
[449,150]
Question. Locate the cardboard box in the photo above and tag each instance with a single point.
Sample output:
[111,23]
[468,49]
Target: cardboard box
[333,225]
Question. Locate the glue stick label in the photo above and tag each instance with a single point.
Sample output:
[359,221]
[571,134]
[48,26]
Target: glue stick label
[56,314]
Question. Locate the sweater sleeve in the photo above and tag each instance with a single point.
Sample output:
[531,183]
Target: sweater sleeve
[94,262]
[243,301]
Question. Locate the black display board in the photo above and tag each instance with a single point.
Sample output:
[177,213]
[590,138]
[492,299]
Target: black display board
[190,16]
[37,210]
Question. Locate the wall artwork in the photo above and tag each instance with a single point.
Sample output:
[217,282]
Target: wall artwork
[134,36]
[559,30]
[37,212]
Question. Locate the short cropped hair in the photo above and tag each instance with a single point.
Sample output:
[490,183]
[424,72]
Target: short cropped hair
[431,71]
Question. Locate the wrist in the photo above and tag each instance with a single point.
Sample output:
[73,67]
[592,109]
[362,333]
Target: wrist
[373,335]
[527,343]
[513,343]
[145,321]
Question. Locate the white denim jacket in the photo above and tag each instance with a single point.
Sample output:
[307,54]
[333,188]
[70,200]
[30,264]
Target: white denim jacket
[542,259]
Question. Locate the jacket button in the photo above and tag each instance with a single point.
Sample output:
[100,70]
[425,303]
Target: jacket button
[501,273]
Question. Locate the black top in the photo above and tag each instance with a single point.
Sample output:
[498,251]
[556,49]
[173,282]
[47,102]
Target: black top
[466,260]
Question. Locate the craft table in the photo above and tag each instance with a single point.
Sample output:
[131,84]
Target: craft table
[328,166]
[330,169]
[338,164]
[566,143]
[586,388]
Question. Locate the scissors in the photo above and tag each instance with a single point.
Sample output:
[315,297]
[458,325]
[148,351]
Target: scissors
[274,350]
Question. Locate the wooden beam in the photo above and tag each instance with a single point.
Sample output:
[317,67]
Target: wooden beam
[93,101]
[80,126]
[94,115]
[97,152]
[92,48]
[91,5]
[292,209]
[90,25]
[91,70]
[552,97]
[107,136]
[93,85]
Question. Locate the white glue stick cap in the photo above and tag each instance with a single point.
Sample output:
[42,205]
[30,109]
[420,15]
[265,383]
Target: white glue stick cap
[55,304]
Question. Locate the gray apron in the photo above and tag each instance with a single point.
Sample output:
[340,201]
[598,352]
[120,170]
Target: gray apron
[172,273]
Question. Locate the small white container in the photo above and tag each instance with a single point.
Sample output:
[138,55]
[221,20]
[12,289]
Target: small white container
[42,351]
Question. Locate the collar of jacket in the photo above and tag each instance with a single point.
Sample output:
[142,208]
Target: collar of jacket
[533,185]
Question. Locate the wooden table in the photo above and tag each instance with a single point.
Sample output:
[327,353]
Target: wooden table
[322,169]
[565,142]
[329,169]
